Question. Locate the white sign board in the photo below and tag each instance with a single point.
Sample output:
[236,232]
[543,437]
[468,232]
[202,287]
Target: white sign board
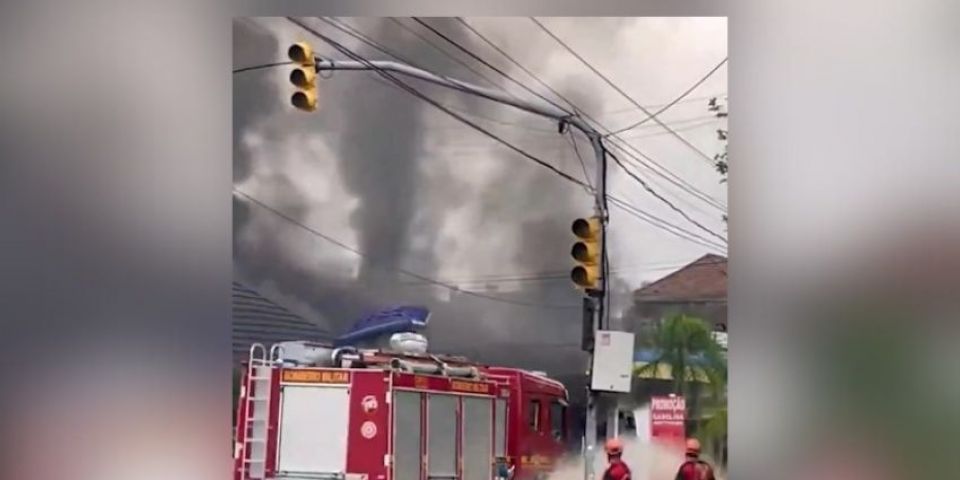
[612,361]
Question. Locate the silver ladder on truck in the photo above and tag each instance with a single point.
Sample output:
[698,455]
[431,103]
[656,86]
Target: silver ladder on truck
[256,395]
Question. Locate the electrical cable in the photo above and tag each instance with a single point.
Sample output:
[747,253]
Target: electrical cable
[488,64]
[552,274]
[666,226]
[586,176]
[450,56]
[621,111]
[560,275]
[663,199]
[262,66]
[674,102]
[643,183]
[397,269]
[675,180]
[619,90]
[633,211]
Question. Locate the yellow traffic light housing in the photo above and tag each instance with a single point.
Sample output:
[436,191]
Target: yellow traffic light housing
[587,252]
[304,77]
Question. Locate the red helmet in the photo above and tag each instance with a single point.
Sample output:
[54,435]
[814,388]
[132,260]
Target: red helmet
[693,446]
[614,446]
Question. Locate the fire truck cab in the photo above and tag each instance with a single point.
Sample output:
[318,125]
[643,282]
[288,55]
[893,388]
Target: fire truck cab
[352,414]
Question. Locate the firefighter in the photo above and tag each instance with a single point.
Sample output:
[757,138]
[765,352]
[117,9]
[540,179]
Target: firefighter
[504,469]
[618,469]
[693,468]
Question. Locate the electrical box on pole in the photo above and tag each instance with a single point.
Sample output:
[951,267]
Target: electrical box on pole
[612,362]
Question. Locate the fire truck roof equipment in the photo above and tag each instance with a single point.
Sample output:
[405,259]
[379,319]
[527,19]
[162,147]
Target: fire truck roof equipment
[392,320]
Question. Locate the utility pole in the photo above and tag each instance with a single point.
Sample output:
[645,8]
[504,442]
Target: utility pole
[544,109]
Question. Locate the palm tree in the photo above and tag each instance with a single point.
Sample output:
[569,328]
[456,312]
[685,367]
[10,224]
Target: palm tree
[713,433]
[685,346]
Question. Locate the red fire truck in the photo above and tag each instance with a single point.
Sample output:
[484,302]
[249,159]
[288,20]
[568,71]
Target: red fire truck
[354,414]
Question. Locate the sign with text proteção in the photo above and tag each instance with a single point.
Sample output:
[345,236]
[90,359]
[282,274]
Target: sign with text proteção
[667,417]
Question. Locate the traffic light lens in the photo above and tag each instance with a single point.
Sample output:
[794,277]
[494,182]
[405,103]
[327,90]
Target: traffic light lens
[580,252]
[300,78]
[297,77]
[298,53]
[581,228]
[579,275]
[582,277]
[303,101]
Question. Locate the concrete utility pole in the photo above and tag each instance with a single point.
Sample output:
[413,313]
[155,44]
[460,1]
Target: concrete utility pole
[544,109]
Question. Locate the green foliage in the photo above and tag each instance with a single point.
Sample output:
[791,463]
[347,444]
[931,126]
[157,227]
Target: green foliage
[678,339]
[720,160]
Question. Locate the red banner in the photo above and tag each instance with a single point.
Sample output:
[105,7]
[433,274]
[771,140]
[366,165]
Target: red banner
[667,417]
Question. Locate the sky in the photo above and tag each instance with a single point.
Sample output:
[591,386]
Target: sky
[384,173]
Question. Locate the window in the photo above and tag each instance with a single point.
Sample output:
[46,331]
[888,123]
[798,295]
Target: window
[558,414]
[533,415]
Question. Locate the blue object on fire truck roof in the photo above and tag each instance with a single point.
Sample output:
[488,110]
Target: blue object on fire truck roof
[384,322]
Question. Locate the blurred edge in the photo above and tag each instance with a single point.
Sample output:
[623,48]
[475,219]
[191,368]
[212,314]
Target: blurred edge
[116,269]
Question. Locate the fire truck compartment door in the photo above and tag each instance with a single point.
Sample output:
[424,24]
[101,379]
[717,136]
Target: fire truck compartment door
[313,430]
[477,438]
[500,433]
[441,436]
[407,435]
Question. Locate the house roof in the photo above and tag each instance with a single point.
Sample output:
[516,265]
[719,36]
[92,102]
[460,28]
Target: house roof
[257,319]
[704,279]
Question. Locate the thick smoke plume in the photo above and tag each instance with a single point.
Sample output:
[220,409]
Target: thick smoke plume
[413,189]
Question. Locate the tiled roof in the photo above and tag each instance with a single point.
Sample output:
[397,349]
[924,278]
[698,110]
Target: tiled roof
[702,279]
[257,319]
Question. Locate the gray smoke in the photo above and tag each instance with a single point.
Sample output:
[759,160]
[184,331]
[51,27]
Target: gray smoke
[401,196]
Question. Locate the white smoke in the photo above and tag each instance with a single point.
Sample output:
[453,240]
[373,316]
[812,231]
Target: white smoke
[647,461]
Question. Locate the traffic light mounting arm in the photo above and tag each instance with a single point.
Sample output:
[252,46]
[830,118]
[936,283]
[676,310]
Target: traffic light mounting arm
[541,108]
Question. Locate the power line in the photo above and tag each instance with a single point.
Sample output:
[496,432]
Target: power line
[344,50]
[355,33]
[645,185]
[680,125]
[485,62]
[561,275]
[450,56]
[666,226]
[398,269]
[262,66]
[551,274]
[516,63]
[586,176]
[684,128]
[527,88]
[621,111]
[619,90]
[674,102]
[675,180]
[663,199]
[630,209]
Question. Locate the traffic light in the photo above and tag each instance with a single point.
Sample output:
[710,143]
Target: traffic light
[587,252]
[303,76]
